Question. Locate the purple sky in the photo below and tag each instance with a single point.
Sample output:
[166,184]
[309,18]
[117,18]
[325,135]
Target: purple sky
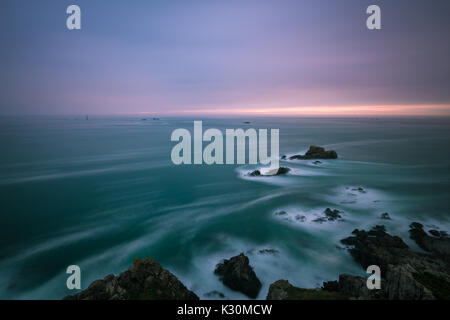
[194,55]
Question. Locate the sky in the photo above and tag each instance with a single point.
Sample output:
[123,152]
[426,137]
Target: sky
[173,57]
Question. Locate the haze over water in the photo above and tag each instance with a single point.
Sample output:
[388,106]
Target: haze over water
[102,192]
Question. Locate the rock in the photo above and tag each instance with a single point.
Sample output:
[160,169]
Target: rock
[283,157]
[283,290]
[439,246]
[317,162]
[214,293]
[354,287]
[360,190]
[255,173]
[280,213]
[282,170]
[401,284]
[269,251]
[145,280]
[329,215]
[273,172]
[385,216]
[237,274]
[409,275]
[316,152]
[438,234]
[434,233]
[332,214]
[376,247]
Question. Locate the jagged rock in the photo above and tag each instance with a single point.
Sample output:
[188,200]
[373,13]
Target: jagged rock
[385,216]
[376,247]
[356,287]
[329,215]
[408,274]
[144,280]
[401,284]
[315,152]
[283,290]
[332,214]
[237,274]
[439,246]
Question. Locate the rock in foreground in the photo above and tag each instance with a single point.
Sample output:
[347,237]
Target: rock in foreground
[237,274]
[144,280]
[409,275]
[283,290]
[315,152]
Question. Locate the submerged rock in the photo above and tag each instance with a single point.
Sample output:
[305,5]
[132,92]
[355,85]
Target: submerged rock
[359,189]
[385,216]
[315,152]
[268,251]
[237,274]
[144,280]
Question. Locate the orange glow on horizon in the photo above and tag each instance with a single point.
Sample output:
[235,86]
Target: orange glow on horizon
[384,110]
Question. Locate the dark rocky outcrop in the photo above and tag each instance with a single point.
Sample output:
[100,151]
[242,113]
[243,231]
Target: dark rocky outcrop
[329,215]
[354,287]
[315,152]
[409,275]
[283,290]
[237,274]
[439,244]
[144,280]
[376,247]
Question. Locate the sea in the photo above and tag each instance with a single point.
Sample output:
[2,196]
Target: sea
[100,191]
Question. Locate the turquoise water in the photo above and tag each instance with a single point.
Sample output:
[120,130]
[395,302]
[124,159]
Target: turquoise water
[101,192]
